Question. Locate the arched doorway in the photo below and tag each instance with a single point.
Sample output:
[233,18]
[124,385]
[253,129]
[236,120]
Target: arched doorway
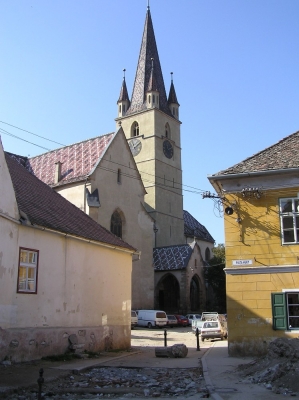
[195,294]
[168,294]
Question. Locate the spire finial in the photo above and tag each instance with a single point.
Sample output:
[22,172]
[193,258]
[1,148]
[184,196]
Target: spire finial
[148,6]
[124,71]
[171,73]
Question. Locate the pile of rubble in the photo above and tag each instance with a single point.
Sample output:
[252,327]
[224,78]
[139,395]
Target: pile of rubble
[111,382]
[278,370]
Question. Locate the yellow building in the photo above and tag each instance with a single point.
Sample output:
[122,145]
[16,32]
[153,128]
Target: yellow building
[260,197]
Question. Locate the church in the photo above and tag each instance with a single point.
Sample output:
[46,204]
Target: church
[130,181]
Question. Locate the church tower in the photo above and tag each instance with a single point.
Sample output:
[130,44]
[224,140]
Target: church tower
[152,127]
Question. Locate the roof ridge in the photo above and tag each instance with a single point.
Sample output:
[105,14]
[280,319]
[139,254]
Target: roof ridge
[70,145]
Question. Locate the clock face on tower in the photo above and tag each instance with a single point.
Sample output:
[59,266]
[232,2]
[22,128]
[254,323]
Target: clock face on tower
[167,149]
[135,146]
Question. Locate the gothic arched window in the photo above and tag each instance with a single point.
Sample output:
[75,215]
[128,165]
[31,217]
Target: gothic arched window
[116,224]
[207,254]
[135,129]
[167,131]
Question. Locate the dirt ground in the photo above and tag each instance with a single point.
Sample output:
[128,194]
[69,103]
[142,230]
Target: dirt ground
[279,368]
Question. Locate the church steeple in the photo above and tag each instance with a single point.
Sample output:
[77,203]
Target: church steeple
[148,51]
[123,101]
[172,100]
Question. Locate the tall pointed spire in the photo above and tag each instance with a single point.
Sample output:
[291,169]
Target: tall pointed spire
[148,51]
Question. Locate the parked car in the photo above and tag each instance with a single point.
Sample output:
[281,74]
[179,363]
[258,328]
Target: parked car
[197,324]
[172,321]
[182,320]
[213,330]
[152,318]
[134,319]
[191,317]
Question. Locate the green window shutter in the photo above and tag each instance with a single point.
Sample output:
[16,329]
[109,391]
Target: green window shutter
[279,311]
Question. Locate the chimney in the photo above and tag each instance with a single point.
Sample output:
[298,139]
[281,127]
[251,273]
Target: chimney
[57,175]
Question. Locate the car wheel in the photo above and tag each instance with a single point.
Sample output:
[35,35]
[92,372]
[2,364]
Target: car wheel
[149,325]
[202,339]
[221,337]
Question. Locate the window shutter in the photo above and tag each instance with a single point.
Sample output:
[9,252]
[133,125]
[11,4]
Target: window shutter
[279,312]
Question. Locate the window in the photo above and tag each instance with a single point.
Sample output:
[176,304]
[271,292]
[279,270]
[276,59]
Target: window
[207,254]
[289,220]
[27,274]
[119,175]
[135,131]
[116,224]
[167,131]
[285,310]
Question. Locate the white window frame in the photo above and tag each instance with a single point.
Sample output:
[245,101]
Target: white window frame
[288,216]
[27,283]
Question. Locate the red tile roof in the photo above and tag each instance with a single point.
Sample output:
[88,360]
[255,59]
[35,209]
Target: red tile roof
[78,160]
[44,207]
[282,155]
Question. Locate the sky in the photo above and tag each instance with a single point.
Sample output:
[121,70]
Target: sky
[235,67]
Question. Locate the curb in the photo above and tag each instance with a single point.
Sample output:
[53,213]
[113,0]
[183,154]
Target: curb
[205,370]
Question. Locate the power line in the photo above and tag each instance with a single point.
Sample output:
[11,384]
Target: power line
[17,137]
[172,183]
[31,133]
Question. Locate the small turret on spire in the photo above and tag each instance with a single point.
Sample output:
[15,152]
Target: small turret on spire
[172,100]
[123,101]
[152,93]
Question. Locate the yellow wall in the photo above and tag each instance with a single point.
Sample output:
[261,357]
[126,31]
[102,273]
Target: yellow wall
[256,238]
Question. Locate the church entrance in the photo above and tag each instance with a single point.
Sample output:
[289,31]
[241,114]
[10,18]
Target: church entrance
[195,294]
[168,294]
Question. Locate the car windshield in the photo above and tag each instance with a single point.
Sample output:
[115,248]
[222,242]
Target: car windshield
[210,324]
[171,317]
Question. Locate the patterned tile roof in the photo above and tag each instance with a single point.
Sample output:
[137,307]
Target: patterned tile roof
[148,51]
[78,160]
[193,228]
[172,257]
[282,155]
[44,207]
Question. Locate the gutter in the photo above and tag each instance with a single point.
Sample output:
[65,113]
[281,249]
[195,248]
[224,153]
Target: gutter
[253,174]
[66,235]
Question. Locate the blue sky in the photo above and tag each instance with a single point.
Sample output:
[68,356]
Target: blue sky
[235,66]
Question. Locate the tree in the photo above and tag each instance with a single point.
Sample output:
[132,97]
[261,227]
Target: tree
[215,281]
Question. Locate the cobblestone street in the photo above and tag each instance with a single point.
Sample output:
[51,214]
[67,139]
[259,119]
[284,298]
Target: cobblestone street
[125,381]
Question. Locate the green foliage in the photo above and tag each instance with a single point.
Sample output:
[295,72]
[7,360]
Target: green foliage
[219,255]
[215,279]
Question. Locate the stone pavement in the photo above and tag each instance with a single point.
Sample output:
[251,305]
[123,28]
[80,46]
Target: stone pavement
[219,380]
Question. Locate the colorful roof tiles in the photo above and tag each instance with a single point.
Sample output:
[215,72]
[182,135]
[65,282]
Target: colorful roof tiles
[77,160]
[172,257]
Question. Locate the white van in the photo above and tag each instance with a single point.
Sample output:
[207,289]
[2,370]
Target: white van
[152,318]
[134,319]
